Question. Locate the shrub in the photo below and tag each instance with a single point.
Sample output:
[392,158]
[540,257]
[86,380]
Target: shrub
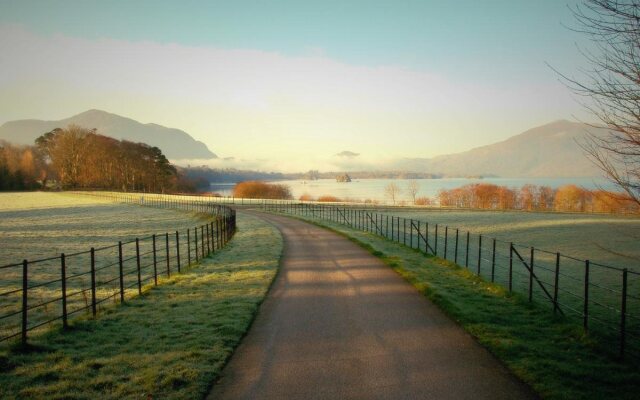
[261,190]
[328,199]
[306,197]
[423,201]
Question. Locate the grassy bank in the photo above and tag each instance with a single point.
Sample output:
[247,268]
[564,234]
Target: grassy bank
[549,353]
[169,343]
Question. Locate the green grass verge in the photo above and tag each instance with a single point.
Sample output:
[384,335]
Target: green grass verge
[170,343]
[549,353]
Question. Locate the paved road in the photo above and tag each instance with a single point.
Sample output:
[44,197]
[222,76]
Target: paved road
[339,324]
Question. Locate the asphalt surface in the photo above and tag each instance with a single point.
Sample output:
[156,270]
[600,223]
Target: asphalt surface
[339,324]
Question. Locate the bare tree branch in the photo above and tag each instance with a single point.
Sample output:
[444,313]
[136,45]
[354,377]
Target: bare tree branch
[611,88]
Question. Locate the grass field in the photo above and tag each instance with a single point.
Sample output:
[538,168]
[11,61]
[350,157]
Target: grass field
[602,238]
[169,343]
[550,353]
[41,225]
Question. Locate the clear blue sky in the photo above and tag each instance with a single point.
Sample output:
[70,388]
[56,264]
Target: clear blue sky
[497,45]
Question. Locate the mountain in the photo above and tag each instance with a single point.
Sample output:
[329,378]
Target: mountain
[549,151]
[174,143]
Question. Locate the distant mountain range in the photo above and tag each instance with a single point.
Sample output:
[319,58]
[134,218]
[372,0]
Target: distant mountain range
[549,150]
[174,143]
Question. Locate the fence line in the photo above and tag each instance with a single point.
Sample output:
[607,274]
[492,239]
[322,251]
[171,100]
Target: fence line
[38,293]
[603,298]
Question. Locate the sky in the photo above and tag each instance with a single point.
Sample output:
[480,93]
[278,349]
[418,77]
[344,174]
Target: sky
[287,85]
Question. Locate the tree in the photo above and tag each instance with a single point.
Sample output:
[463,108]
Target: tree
[392,191]
[527,197]
[611,87]
[571,198]
[83,158]
[68,150]
[413,188]
[18,167]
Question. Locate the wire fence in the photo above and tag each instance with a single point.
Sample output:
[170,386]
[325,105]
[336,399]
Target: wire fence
[38,294]
[604,299]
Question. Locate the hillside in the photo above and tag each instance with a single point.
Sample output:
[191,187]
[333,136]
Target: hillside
[549,150]
[174,143]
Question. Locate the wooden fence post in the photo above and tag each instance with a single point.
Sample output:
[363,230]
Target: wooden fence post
[63,284]
[479,253]
[202,240]
[623,313]
[511,267]
[208,240]
[121,271]
[493,261]
[411,233]
[93,282]
[531,275]
[404,231]
[195,232]
[446,240]
[466,261]
[213,237]
[138,266]
[155,262]
[166,246]
[555,284]
[586,296]
[188,246]
[178,250]
[455,255]
[25,288]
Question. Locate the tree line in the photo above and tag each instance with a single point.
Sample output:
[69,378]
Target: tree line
[80,158]
[538,198]
[20,167]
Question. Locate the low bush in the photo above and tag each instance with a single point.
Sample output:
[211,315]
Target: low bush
[328,199]
[423,201]
[262,190]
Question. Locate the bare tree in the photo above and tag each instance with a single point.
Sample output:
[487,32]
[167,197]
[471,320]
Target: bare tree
[611,88]
[412,189]
[392,191]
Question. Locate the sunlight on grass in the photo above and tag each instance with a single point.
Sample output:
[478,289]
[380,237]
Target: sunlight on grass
[39,225]
[585,236]
[169,343]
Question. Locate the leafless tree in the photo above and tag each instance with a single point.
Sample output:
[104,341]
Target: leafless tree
[412,189]
[611,88]
[392,191]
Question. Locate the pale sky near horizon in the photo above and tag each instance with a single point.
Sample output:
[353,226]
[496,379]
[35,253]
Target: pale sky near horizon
[287,85]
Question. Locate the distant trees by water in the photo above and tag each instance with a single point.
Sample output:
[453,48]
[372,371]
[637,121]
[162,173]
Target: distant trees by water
[537,198]
[77,158]
[82,158]
[20,167]
[486,196]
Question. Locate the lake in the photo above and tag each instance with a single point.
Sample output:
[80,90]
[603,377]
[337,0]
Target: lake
[373,189]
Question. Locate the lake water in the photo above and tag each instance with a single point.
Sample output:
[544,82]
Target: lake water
[362,189]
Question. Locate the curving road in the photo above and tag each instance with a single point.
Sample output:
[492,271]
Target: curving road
[339,324]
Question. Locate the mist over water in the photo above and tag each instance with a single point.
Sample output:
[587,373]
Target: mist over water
[373,189]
